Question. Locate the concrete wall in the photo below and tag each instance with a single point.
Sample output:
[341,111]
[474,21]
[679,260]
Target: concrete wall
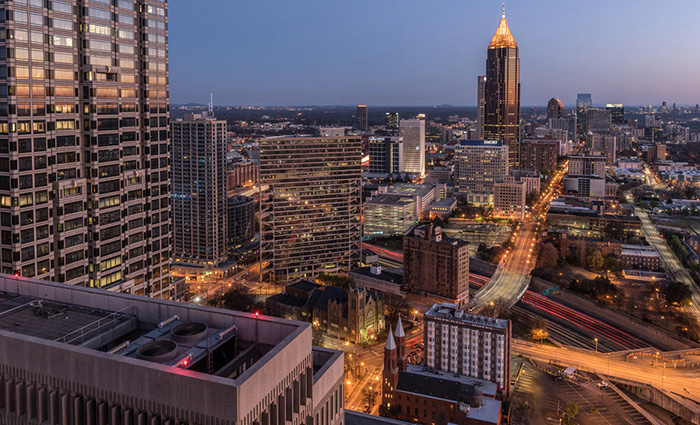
[90,376]
[329,397]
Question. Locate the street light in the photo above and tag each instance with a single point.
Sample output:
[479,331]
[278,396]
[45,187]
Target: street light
[596,346]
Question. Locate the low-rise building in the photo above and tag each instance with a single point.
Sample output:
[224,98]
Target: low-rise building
[510,200]
[585,222]
[389,215]
[584,186]
[531,178]
[640,257]
[354,315]
[242,174]
[375,278]
[441,173]
[442,208]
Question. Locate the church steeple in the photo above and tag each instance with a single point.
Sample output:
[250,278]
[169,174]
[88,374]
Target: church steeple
[400,345]
[390,374]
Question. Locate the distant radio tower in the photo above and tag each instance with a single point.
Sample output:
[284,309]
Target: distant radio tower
[211,104]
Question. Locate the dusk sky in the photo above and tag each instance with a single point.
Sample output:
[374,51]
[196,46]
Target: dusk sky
[409,52]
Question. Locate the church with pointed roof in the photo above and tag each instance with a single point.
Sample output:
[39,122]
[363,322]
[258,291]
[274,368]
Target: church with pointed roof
[417,394]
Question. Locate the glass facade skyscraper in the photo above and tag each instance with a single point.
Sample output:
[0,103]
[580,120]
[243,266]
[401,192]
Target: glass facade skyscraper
[502,92]
[84,143]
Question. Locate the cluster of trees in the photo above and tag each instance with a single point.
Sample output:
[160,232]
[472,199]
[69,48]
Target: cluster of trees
[239,298]
[338,281]
[678,293]
[598,288]
[493,254]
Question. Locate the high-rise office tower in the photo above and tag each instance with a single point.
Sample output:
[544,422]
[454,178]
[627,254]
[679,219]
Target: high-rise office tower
[480,164]
[502,112]
[84,149]
[310,222]
[413,134]
[362,119]
[199,192]
[555,109]
[480,106]
[583,102]
[385,155]
[391,120]
[598,120]
[617,113]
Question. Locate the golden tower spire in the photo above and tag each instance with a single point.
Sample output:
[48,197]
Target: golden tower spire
[503,37]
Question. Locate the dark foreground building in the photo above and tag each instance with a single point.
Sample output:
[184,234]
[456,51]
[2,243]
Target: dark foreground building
[74,355]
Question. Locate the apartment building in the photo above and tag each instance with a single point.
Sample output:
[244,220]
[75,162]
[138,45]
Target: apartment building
[467,344]
[310,218]
[435,264]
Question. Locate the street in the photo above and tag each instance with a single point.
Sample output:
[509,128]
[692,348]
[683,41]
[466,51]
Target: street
[511,278]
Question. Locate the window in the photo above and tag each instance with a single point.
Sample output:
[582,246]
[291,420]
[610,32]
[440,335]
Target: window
[73,241]
[73,224]
[63,24]
[61,6]
[95,12]
[75,273]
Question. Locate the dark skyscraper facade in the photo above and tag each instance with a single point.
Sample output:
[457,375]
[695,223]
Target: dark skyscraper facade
[583,103]
[84,144]
[362,119]
[555,109]
[617,113]
[502,112]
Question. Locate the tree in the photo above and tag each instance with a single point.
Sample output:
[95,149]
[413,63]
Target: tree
[678,293]
[538,330]
[370,395]
[594,259]
[498,308]
[338,281]
[548,256]
[613,264]
[571,410]
[398,307]
[317,337]
[240,299]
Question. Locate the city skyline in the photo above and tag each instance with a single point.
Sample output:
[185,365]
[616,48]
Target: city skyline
[306,55]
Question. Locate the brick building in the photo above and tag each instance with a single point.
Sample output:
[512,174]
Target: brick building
[436,264]
[426,396]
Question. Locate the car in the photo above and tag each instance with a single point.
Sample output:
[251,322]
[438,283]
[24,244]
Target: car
[603,385]
[558,378]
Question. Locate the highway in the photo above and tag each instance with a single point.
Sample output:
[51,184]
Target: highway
[562,319]
[684,382]
[670,262]
[511,278]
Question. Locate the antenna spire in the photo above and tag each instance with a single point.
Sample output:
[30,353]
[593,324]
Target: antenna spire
[211,104]
[504,11]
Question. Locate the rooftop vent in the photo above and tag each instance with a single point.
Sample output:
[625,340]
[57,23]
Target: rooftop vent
[159,351]
[189,332]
